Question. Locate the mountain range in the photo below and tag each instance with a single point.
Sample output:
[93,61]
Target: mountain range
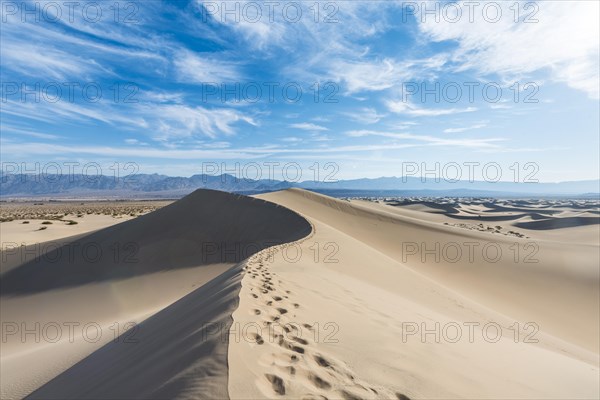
[162,186]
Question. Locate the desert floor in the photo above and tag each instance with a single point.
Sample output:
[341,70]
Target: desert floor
[294,294]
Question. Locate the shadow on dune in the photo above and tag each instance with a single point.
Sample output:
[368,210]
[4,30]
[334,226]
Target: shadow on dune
[205,227]
[492,218]
[558,223]
[488,218]
[444,208]
[493,207]
[179,352]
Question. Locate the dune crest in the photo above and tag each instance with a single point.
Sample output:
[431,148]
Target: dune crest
[182,278]
[353,318]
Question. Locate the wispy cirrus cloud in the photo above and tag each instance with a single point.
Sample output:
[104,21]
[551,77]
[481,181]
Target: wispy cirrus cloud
[160,122]
[465,128]
[309,126]
[382,74]
[45,61]
[430,140]
[205,68]
[403,107]
[368,53]
[559,37]
[365,115]
[176,120]
[28,132]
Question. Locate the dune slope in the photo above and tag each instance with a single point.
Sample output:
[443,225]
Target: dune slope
[144,266]
[205,227]
[344,314]
[512,275]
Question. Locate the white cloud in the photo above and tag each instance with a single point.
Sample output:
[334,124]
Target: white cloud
[260,31]
[465,128]
[320,26]
[485,143]
[28,132]
[564,42]
[47,62]
[47,50]
[402,107]
[308,126]
[377,75]
[204,68]
[365,115]
[175,120]
[162,122]
[135,142]
[163,97]
[291,139]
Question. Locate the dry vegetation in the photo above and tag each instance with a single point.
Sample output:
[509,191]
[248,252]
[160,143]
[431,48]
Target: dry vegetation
[70,211]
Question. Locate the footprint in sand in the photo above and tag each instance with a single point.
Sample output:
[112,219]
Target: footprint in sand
[276,383]
[258,339]
[287,345]
[319,382]
[300,340]
[322,361]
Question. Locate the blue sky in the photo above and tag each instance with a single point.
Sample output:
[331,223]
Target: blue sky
[178,83]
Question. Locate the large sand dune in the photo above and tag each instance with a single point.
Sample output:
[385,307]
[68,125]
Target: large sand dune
[330,299]
[144,266]
[365,321]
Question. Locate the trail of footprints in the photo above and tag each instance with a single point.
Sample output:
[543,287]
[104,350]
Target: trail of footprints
[296,364]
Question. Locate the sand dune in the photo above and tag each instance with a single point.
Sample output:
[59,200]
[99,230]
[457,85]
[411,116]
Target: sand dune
[27,223]
[172,354]
[335,299]
[194,231]
[569,271]
[350,315]
[175,250]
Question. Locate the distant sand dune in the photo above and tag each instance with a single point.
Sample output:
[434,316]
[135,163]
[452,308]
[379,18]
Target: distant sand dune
[558,223]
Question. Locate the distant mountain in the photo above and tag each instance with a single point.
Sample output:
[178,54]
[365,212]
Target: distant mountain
[413,183]
[31,185]
[162,186]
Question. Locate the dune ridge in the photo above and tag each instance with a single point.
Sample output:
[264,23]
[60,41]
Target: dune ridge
[327,305]
[205,227]
[185,275]
[368,294]
[568,270]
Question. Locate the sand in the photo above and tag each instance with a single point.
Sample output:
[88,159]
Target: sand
[26,223]
[363,296]
[184,249]
[301,295]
